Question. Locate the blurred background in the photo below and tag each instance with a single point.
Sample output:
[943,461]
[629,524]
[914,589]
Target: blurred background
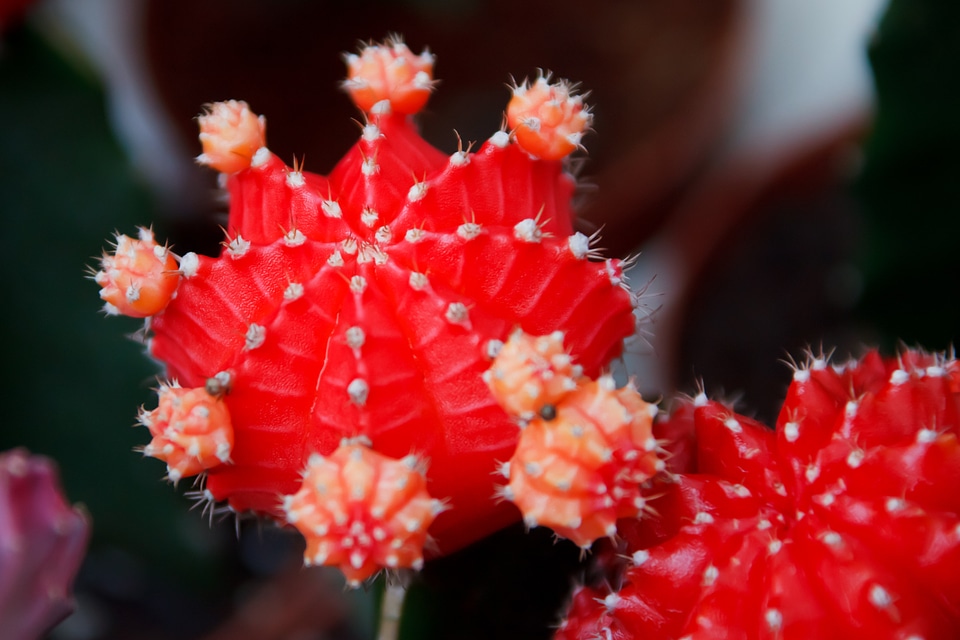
[787,170]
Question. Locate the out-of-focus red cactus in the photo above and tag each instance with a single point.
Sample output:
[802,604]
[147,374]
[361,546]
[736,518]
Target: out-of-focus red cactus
[842,522]
[42,543]
[368,302]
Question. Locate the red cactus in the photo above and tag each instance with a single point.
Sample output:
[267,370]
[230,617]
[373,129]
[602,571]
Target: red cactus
[843,522]
[369,301]
[42,542]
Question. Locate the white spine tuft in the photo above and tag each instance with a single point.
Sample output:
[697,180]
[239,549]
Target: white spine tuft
[331,209]
[261,157]
[293,291]
[579,246]
[189,264]
[238,247]
[358,390]
[527,231]
[256,334]
[500,139]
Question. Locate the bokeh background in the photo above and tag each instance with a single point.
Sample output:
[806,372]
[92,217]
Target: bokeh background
[788,169]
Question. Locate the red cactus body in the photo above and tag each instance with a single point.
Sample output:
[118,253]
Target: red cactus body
[843,522]
[367,303]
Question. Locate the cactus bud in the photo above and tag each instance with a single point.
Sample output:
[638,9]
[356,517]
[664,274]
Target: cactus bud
[139,278]
[530,373]
[362,511]
[191,431]
[580,461]
[581,471]
[388,77]
[548,119]
[230,134]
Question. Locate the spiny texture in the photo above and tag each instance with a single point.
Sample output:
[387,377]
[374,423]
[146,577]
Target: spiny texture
[530,373]
[42,543]
[843,522]
[230,134]
[369,301]
[549,119]
[362,511]
[586,448]
[191,431]
[139,278]
[389,78]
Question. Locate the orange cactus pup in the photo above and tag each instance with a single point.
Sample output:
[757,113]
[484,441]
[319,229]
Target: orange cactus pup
[530,373]
[191,431]
[231,135]
[548,119]
[389,78]
[363,511]
[581,462]
[139,278]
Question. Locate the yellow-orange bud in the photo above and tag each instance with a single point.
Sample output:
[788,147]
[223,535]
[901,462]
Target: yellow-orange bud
[191,431]
[530,372]
[582,470]
[547,119]
[389,78]
[230,134]
[139,278]
[362,511]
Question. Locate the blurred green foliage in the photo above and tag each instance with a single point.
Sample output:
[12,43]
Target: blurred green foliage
[910,185]
[71,382]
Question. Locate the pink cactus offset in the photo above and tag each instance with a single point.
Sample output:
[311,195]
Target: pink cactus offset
[358,310]
[42,543]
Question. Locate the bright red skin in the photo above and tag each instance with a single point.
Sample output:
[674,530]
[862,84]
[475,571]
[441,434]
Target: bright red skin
[289,396]
[820,590]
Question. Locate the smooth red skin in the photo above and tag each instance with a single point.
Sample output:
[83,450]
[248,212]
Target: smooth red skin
[289,397]
[822,590]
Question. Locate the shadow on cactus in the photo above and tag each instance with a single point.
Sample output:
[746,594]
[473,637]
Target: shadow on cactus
[325,369]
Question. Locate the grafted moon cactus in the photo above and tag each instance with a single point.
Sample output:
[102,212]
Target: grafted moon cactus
[42,543]
[843,522]
[366,303]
